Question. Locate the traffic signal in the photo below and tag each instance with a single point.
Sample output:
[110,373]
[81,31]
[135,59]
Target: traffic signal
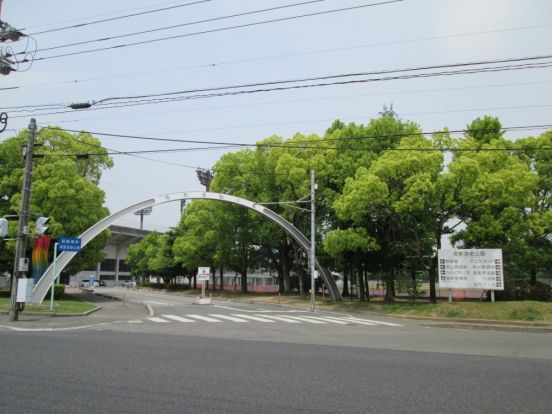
[41,227]
[3,227]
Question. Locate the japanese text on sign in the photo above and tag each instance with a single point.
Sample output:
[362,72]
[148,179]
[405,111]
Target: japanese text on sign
[471,269]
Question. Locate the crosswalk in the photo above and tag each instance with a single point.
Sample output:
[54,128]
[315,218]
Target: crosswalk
[264,318]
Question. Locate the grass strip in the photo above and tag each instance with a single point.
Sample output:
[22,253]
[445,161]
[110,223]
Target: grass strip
[61,306]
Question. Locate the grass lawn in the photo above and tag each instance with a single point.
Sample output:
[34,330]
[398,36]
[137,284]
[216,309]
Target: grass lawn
[532,311]
[61,306]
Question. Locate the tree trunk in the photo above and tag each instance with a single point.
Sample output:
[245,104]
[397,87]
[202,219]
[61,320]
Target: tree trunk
[221,273]
[195,282]
[432,280]
[533,277]
[390,287]
[284,265]
[244,281]
[360,276]
[365,274]
[345,284]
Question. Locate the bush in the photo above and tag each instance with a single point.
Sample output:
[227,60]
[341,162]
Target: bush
[521,289]
[59,291]
[413,288]
[177,287]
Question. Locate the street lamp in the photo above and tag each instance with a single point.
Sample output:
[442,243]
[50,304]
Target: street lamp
[205,177]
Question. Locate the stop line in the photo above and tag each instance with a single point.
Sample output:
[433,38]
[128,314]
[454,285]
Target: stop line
[264,318]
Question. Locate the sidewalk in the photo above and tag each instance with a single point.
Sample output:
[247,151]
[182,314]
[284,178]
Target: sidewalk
[108,312]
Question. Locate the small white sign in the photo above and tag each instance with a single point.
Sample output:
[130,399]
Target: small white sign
[471,269]
[203,273]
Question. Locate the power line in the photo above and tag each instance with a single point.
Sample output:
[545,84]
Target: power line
[231,16]
[283,88]
[364,137]
[221,29]
[334,97]
[249,60]
[231,90]
[119,17]
[77,19]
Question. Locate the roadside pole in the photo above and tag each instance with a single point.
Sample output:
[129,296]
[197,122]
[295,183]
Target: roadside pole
[19,268]
[53,278]
[312,251]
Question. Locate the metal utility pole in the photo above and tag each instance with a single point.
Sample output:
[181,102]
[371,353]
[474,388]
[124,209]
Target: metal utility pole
[312,257]
[21,240]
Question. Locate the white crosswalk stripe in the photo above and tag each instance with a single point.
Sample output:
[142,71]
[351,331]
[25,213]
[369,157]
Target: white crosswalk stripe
[287,318]
[373,322]
[253,318]
[331,320]
[178,318]
[203,318]
[281,318]
[230,318]
[304,319]
[158,320]
[354,321]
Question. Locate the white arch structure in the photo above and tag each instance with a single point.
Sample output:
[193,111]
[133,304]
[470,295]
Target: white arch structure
[45,282]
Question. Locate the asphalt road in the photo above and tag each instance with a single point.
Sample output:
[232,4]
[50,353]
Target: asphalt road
[174,357]
[93,372]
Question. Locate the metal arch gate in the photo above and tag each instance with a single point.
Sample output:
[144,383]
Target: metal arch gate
[64,258]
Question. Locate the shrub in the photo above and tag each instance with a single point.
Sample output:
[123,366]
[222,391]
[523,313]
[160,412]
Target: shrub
[59,291]
[177,287]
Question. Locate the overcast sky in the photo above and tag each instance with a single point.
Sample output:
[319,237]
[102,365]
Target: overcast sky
[388,36]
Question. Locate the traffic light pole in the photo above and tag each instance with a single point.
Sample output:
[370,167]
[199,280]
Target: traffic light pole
[21,239]
[312,260]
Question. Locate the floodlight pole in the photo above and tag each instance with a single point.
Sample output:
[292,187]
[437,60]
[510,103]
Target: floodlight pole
[21,238]
[312,260]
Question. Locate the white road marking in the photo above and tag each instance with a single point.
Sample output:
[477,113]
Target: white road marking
[254,318]
[304,319]
[279,318]
[230,318]
[158,320]
[355,321]
[178,318]
[203,318]
[373,322]
[326,319]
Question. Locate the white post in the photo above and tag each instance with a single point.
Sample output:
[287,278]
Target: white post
[450,296]
[312,252]
[492,296]
[53,278]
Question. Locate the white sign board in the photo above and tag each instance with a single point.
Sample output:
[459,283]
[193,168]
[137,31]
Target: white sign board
[203,273]
[471,269]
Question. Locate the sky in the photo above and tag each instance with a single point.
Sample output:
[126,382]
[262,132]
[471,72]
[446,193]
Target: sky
[391,35]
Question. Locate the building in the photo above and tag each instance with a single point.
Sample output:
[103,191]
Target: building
[113,270]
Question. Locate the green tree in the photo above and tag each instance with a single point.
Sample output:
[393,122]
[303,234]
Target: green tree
[65,188]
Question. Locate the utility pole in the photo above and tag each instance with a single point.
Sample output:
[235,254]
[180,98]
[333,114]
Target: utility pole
[21,239]
[312,257]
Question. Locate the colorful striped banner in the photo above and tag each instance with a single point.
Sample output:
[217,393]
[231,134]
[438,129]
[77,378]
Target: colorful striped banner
[40,256]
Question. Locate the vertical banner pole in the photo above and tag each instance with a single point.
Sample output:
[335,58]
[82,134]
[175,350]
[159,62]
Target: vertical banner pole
[53,278]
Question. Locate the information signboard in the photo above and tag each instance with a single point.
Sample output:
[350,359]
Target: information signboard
[203,273]
[471,269]
[69,244]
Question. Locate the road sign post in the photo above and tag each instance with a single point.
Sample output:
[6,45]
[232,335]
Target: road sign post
[203,274]
[64,244]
